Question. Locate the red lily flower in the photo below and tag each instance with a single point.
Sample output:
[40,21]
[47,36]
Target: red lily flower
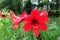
[2,15]
[36,21]
[17,19]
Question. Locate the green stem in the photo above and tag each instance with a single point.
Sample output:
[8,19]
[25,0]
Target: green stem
[34,37]
[39,37]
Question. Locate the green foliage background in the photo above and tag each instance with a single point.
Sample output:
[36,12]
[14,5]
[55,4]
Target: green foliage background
[7,33]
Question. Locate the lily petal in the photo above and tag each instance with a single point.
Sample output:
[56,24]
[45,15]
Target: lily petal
[42,26]
[43,13]
[36,31]
[27,27]
[13,16]
[16,23]
[23,14]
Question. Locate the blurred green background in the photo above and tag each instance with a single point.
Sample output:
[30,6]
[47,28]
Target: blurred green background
[6,31]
